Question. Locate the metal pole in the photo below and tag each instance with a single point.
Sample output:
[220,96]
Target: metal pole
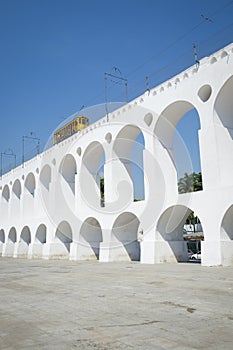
[195,56]
[1,165]
[126,91]
[105,95]
[22,151]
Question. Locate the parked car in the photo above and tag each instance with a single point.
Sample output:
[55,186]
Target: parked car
[195,256]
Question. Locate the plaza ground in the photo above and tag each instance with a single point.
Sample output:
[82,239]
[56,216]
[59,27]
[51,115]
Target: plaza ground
[67,305]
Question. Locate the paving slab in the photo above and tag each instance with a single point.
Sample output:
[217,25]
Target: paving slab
[61,304]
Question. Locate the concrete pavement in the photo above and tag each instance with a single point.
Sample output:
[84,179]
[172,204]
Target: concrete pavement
[65,305]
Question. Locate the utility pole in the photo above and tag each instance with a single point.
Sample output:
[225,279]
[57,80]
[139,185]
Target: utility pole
[24,138]
[195,56]
[118,80]
[7,153]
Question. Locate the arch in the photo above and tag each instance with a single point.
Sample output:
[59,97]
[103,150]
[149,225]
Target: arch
[226,231]
[171,222]
[45,176]
[168,120]
[41,234]
[125,231]
[171,130]
[91,235]
[12,235]
[92,156]
[68,170]
[64,235]
[16,189]
[6,193]
[223,107]
[25,236]
[92,179]
[170,233]
[24,241]
[128,147]
[30,184]
[2,236]
[9,248]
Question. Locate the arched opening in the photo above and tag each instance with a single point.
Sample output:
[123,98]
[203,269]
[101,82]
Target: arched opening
[16,190]
[90,238]
[10,244]
[30,184]
[125,233]
[128,148]
[41,234]
[25,240]
[25,236]
[223,107]
[226,237]
[6,193]
[2,239]
[92,178]
[12,235]
[177,130]
[64,235]
[45,176]
[179,234]
[68,170]
[227,225]
[2,236]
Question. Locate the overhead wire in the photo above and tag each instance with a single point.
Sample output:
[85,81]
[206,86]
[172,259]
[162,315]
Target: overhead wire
[159,55]
[168,47]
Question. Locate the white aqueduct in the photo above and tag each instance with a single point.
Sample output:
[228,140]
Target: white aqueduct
[50,207]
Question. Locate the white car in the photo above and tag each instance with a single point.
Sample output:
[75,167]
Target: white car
[196,256]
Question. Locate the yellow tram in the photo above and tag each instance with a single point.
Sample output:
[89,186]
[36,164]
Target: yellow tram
[77,124]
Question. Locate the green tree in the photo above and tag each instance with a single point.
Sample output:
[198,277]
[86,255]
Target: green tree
[190,183]
[102,191]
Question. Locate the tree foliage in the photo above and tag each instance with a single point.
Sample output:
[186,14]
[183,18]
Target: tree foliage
[190,183]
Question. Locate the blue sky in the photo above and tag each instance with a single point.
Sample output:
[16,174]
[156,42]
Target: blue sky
[54,54]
